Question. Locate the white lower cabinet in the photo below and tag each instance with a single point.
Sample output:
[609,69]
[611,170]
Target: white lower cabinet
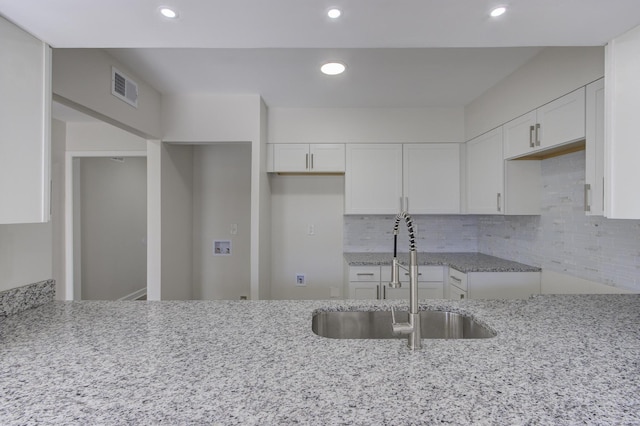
[372,282]
[492,285]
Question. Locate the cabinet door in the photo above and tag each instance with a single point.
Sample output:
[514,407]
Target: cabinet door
[562,120]
[373,178]
[290,157]
[485,171]
[363,290]
[25,120]
[519,135]
[326,158]
[431,177]
[456,293]
[503,285]
[594,177]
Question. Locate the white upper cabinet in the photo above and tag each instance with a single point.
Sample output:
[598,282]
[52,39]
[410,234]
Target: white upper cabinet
[373,179]
[497,186]
[388,178]
[557,123]
[485,187]
[25,126]
[594,173]
[307,158]
[431,178]
[622,138]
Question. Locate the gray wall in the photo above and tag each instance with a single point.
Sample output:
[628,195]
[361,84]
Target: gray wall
[113,203]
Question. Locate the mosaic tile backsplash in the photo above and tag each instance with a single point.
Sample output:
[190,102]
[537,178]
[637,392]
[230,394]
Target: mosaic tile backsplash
[561,239]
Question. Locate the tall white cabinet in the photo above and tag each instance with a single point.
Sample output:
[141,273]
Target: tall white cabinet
[622,144]
[25,123]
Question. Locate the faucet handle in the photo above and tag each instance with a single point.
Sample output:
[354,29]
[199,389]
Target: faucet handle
[399,327]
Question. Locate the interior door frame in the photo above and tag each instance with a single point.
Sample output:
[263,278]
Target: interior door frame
[72,288]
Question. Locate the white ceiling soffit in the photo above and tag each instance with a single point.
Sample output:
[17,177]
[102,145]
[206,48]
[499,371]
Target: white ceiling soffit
[303,23]
[291,77]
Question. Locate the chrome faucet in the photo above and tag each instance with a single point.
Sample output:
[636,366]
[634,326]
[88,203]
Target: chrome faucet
[412,327]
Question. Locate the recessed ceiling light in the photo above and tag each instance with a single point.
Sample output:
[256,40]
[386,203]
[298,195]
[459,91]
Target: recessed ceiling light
[498,11]
[332,68]
[334,13]
[168,13]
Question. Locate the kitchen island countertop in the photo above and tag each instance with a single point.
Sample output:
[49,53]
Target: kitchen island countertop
[556,360]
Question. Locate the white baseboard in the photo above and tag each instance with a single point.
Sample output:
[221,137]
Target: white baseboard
[135,295]
[558,283]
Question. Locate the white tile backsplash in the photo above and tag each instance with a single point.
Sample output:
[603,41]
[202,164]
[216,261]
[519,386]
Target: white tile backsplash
[437,233]
[562,239]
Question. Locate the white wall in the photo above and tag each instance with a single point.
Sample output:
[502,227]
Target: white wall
[365,125]
[82,79]
[113,227]
[296,203]
[99,136]
[58,141]
[262,246]
[176,212]
[552,73]
[221,199]
[210,118]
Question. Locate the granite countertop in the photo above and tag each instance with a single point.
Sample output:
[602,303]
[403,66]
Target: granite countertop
[463,262]
[555,360]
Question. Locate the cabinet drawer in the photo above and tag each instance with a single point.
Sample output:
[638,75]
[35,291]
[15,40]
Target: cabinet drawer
[458,279]
[425,273]
[364,273]
[456,293]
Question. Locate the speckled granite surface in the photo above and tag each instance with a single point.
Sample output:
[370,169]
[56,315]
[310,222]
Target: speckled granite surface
[463,262]
[26,297]
[556,360]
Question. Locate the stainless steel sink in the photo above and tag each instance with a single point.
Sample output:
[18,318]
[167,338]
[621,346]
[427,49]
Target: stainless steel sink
[377,325]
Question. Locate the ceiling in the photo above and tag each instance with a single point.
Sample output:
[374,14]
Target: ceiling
[398,53]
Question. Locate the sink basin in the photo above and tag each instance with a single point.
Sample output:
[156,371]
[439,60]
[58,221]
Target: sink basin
[377,325]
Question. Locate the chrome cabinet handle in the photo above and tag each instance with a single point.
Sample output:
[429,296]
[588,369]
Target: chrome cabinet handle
[312,161]
[455,278]
[587,191]
[531,130]
[365,273]
[537,134]
[378,291]
[461,296]
[306,161]
[384,292]
[498,202]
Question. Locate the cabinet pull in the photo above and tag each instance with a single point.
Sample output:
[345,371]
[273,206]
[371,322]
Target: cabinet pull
[311,161]
[531,130]
[407,274]
[537,134]
[384,291]
[378,291]
[461,296]
[498,202]
[587,191]
[364,273]
[306,161]
[455,278]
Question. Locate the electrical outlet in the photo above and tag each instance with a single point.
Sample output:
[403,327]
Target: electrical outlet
[234,229]
[300,281]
